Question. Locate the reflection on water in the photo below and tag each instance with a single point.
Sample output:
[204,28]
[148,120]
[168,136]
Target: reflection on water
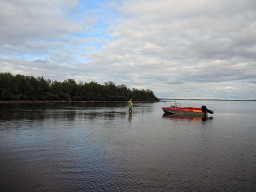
[130,117]
[69,111]
[186,117]
[101,147]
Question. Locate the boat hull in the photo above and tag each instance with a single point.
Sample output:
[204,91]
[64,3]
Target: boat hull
[184,111]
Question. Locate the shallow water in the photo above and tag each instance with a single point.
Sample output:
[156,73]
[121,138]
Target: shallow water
[100,147]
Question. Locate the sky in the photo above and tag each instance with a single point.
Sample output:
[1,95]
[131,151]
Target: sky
[177,48]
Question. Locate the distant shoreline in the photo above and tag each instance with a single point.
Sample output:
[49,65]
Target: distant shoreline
[92,101]
[48,101]
[210,99]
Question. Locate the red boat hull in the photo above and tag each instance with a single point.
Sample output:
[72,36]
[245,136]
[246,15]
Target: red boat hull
[183,110]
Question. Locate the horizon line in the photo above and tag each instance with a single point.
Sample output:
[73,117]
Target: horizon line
[209,99]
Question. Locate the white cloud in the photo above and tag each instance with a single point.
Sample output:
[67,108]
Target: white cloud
[178,49]
[185,43]
[30,20]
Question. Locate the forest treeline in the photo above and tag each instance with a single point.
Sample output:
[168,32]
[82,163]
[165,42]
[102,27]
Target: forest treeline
[20,87]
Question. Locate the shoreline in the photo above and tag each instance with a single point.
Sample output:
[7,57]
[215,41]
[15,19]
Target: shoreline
[48,101]
[208,99]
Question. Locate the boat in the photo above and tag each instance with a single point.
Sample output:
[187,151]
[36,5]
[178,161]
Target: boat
[191,111]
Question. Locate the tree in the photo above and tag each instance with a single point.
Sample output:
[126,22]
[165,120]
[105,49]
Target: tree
[5,85]
[28,87]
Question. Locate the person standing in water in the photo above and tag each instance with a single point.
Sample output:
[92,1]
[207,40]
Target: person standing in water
[130,106]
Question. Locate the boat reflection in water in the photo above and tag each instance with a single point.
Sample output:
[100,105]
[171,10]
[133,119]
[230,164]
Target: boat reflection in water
[186,117]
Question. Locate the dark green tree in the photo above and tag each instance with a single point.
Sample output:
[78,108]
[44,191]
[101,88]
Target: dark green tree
[22,87]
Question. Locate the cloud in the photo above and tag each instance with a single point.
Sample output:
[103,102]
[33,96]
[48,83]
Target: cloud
[48,38]
[180,49]
[185,43]
[29,20]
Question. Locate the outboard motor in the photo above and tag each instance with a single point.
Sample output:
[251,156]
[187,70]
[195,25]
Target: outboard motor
[204,109]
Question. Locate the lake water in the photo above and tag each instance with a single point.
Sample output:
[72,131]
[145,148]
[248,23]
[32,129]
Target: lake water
[100,147]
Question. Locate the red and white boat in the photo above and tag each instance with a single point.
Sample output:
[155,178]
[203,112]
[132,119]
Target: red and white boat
[203,111]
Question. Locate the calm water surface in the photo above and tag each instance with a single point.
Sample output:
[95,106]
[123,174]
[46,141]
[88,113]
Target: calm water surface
[100,147]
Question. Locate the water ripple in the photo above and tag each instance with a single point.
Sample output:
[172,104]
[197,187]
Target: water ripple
[102,148]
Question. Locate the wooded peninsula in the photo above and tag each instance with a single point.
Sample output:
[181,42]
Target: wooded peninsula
[20,87]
